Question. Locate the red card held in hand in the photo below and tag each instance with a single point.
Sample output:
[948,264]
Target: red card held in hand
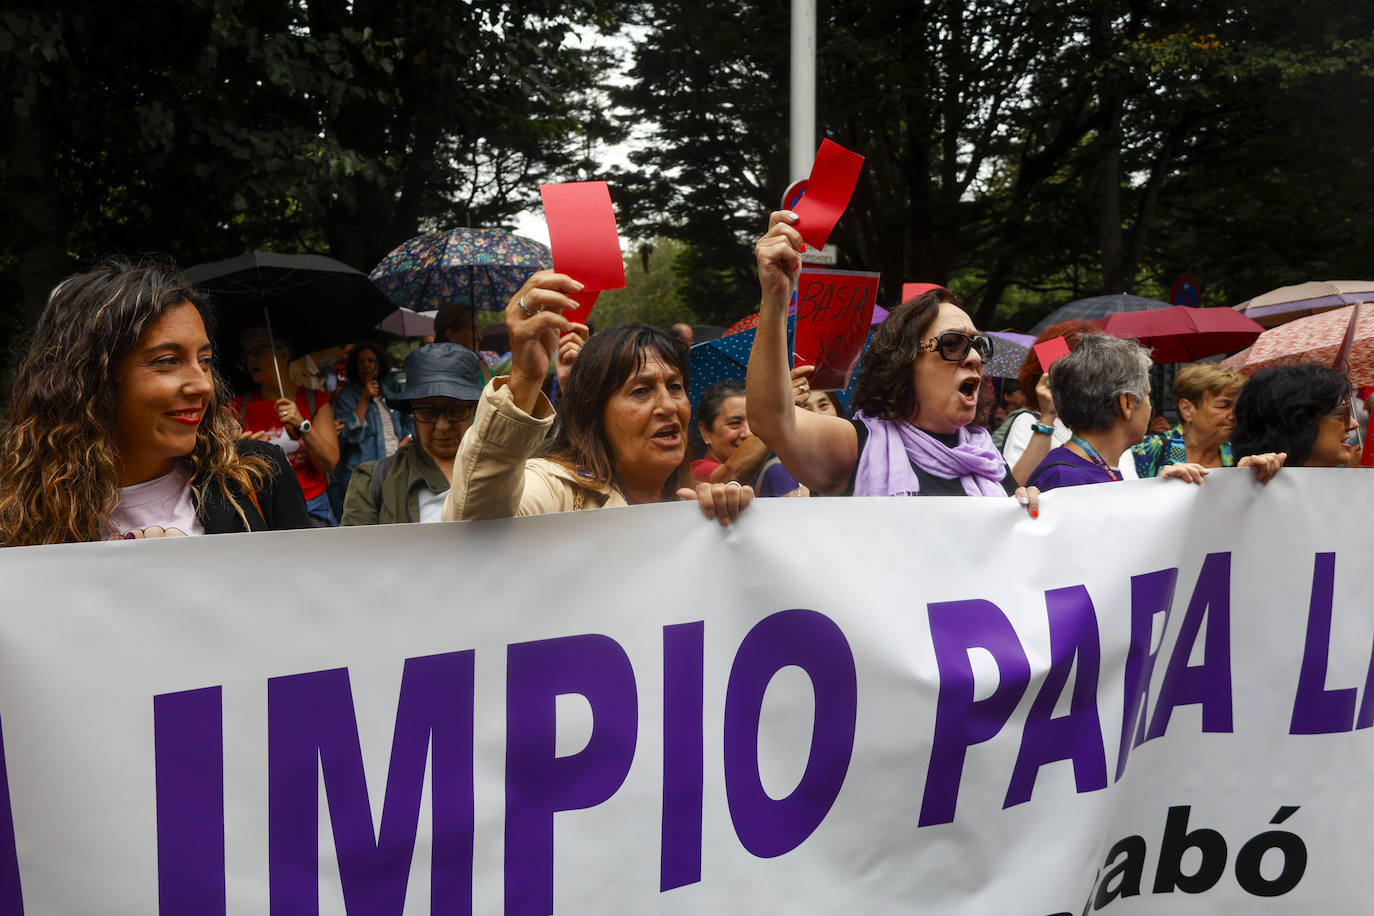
[584,239]
[833,177]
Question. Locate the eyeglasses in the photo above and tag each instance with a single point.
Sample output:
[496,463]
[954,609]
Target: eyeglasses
[1343,412]
[954,345]
[454,413]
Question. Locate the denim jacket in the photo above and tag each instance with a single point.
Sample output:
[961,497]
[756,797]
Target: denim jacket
[359,442]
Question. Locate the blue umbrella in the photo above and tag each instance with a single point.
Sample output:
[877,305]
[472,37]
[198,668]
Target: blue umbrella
[722,358]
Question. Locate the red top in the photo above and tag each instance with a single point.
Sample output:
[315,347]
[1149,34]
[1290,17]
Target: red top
[702,468]
[260,415]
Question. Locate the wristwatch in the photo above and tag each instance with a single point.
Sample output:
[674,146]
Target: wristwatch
[1042,429]
[303,428]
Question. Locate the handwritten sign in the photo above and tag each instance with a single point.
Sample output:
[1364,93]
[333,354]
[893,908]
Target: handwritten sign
[833,177]
[584,239]
[834,311]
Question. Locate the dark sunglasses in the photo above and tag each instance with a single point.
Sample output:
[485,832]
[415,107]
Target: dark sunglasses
[954,345]
[455,413]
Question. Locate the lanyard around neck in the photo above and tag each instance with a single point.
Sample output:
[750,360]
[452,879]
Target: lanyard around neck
[1093,455]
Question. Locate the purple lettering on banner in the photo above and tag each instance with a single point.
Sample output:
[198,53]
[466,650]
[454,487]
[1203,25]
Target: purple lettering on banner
[769,827]
[684,755]
[1316,710]
[1208,684]
[1366,717]
[1151,594]
[310,717]
[11,893]
[538,782]
[188,750]
[960,720]
[1076,736]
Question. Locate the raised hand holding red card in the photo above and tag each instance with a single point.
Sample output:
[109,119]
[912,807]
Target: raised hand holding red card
[833,177]
[584,239]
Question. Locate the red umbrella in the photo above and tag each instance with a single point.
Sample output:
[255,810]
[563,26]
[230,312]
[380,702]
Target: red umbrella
[1180,334]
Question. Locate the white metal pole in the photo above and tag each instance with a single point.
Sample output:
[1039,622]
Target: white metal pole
[802,137]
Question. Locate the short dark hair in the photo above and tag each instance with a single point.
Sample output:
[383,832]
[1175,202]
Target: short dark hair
[713,399]
[886,388]
[452,316]
[1279,409]
[383,359]
[603,365]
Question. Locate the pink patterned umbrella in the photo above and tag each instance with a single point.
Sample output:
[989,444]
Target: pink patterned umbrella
[1315,338]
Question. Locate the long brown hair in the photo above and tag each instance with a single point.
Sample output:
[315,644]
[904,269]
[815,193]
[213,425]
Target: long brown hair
[59,467]
[608,359]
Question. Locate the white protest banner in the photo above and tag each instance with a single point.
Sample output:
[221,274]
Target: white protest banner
[1154,698]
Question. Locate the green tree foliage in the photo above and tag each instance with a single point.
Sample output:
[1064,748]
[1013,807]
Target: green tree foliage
[203,128]
[655,292]
[1023,153]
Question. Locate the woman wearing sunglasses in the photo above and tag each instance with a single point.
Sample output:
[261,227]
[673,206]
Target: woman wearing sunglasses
[443,383]
[917,394]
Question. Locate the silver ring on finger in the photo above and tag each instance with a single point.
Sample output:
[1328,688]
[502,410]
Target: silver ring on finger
[526,309]
[734,483]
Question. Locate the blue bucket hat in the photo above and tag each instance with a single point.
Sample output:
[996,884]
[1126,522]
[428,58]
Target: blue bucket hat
[444,370]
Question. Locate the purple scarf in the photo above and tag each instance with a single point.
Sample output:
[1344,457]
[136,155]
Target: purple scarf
[894,445]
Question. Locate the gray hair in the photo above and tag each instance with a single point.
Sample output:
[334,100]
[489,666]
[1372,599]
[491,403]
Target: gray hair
[1086,383]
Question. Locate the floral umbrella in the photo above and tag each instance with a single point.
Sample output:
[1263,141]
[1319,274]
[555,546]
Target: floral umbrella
[1009,351]
[482,267]
[1315,338]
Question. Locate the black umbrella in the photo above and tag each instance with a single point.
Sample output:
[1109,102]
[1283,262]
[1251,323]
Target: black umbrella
[307,300]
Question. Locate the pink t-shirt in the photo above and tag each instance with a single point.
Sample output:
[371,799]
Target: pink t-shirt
[164,501]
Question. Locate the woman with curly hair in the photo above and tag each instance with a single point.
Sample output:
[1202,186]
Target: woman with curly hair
[116,426]
[916,398]
[1300,411]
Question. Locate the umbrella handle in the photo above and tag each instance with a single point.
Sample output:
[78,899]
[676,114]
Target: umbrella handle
[276,370]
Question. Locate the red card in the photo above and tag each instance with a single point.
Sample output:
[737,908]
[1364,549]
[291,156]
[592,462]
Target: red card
[834,311]
[912,290]
[833,177]
[583,236]
[1050,350]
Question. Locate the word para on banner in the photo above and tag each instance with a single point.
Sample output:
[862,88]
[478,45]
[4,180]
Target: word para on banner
[313,735]
[961,721]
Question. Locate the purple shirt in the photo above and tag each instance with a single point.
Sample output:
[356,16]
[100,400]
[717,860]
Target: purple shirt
[1065,468]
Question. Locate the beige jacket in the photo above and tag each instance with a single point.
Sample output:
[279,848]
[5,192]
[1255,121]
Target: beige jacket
[494,475]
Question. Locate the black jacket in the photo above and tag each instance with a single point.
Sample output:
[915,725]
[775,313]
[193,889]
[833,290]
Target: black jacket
[283,505]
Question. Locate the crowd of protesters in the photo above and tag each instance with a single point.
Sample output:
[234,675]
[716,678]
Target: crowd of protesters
[121,426]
